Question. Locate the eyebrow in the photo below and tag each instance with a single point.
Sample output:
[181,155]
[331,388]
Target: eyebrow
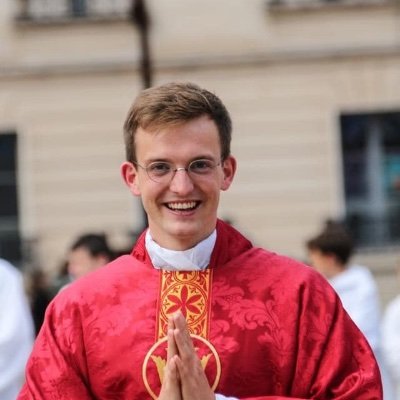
[199,157]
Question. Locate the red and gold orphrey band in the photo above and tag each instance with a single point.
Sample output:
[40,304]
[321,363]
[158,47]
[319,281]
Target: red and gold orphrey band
[190,292]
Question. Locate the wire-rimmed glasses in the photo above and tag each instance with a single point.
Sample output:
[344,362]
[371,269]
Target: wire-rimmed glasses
[163,171]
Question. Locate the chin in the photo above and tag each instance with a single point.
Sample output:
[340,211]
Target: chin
[193,232]
[184,232]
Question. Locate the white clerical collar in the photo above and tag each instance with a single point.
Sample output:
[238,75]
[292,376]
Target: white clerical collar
[195,259]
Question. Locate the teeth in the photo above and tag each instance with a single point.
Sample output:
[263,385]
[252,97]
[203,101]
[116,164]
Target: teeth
[182,206]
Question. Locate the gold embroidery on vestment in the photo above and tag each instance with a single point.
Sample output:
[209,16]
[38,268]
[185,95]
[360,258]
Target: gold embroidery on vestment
[160,362]
[189,292]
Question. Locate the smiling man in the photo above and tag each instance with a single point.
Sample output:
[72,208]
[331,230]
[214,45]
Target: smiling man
[195,312]
[179,174]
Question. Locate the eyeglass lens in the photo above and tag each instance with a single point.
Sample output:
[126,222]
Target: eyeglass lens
[161,171]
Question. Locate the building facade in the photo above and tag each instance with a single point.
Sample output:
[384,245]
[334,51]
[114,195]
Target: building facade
[312,86]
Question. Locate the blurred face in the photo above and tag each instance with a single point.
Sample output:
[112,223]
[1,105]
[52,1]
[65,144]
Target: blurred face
[181,211]
[80,262]
[323,263]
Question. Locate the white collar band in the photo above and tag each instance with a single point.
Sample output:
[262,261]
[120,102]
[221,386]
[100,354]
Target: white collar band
[195,259]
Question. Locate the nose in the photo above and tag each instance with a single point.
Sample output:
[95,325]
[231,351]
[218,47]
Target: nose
[181,182]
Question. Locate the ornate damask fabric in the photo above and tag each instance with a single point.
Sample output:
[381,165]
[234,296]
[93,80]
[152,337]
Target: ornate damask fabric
[264,326]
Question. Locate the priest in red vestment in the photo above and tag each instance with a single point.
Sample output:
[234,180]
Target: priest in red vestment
[195,312]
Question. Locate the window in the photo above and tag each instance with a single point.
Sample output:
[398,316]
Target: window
[61,10]
[371,167]
[319,5]
[10,241]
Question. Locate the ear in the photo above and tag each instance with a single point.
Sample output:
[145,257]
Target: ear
[130,176]
[229,170]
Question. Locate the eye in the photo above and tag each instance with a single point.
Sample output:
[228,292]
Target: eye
[201,166]
[159,168]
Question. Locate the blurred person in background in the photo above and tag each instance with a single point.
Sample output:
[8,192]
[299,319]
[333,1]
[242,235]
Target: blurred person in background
[329,253]
[16,331]
[391,338]
[195,311]
[61,278]
[39,295]
[88,252]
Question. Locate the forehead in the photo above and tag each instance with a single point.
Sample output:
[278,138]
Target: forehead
[197,137]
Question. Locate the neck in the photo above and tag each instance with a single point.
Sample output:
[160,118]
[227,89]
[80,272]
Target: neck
[335,270]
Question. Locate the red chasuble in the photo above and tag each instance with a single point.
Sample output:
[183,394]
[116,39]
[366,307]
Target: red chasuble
[264,326]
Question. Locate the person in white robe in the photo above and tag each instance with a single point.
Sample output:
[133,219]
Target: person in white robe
[16,331]
[391,339]
[329,253]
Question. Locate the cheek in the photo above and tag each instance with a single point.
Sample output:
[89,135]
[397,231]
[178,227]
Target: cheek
[318,265]
[140,186]
[149,193]
[213,194]
[211,189]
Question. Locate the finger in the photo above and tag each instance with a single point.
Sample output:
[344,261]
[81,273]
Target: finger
[182,337]
[173,369]
[184,344]
[179,320]
[180,324]
[171,324]
[172,372]
[172,349]
[193,382]
[170,388]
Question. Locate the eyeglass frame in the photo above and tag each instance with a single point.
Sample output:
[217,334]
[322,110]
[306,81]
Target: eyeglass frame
[191,174]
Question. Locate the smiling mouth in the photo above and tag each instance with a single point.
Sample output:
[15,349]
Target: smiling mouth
[183,206]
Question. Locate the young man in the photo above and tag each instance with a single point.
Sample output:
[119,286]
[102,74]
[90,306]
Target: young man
[88,252]
[195,312]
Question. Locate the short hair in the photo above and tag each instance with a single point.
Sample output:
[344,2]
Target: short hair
[173,104]
[334,239]
[96,244]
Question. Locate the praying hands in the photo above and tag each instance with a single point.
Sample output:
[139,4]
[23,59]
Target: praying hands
[184,378]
